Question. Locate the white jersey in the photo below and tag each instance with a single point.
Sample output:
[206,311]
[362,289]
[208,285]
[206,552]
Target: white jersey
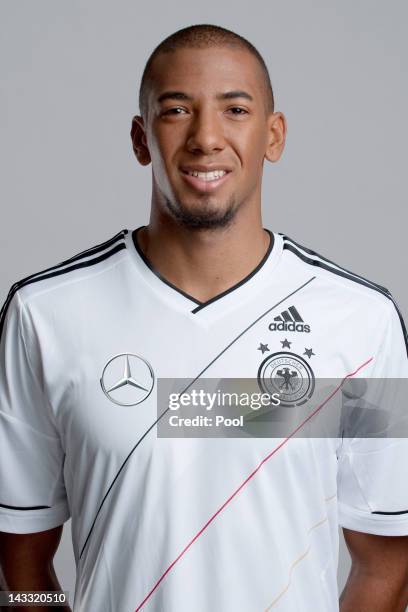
[193,523]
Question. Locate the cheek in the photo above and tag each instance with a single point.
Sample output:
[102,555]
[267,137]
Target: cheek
[251,148]
[160,160]
[253,163]
[164,150]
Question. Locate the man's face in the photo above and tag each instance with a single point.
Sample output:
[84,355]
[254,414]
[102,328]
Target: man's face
[207,133]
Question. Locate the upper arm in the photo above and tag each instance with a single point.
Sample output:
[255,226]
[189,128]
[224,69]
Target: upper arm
[32,487]
[25,556]
[375,553]
[380,566]
[373,457]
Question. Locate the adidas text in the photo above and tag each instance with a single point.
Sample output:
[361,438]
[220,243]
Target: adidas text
[284,326]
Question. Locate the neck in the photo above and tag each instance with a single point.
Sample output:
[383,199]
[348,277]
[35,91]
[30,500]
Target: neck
[203,263]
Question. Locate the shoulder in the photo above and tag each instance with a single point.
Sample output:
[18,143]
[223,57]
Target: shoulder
[349,284]
[350,291]
[63,276]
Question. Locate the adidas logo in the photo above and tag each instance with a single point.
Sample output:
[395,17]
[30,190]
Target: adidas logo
[289,320]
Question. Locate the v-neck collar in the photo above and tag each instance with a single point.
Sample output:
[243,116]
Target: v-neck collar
[183,299]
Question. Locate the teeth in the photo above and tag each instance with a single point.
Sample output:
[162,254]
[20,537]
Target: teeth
[208,176]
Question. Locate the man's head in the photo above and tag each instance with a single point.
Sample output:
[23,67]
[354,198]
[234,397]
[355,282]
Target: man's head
[206,105]
[202,36]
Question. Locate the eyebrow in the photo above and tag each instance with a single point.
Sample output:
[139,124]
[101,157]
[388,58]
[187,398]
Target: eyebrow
[228,95]
[174,95]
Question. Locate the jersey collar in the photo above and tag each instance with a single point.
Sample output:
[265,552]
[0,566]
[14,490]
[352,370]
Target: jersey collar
[252,282]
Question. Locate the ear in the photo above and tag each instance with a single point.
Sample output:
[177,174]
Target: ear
[139,141]
[277,130]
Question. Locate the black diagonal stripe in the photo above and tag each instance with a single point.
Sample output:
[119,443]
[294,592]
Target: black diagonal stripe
[279,318]
[288,240]
[23,507]
[356,279]
[58,272]
[382,512]
[286,316]
[293,311]
[82,254]
[188,386]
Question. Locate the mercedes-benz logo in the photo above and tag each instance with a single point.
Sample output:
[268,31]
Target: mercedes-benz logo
[127,379]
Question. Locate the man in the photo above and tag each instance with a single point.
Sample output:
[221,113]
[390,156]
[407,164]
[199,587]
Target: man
[196,523]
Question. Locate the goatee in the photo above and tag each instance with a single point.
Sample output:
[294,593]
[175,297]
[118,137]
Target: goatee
[202,219]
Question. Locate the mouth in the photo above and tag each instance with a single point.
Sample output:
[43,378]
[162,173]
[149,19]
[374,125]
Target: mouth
[205,180]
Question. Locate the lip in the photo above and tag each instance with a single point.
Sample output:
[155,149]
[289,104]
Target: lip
[199,184]
[205,168]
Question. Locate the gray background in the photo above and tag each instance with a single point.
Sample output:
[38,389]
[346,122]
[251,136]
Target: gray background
[69,80]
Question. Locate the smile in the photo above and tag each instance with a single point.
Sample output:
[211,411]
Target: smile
[205,181]
[207,176]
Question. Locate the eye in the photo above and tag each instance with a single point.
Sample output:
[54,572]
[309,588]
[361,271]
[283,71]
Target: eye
[237,110]
[175,110]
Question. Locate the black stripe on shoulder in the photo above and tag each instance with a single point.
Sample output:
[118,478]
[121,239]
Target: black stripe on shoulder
[398,512]
[289,240]
[76,266]
[88,252]
[58,269]
[24,507]
[404,329]
[320,264]
[357,279]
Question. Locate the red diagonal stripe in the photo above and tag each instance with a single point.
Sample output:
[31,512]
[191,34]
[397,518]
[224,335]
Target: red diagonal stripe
[210,520]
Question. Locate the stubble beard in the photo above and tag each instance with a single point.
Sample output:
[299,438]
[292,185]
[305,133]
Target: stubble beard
[203,216]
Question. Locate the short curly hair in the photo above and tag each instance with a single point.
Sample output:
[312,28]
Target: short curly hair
[200,37]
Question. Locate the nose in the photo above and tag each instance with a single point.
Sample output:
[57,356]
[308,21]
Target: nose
[206,134]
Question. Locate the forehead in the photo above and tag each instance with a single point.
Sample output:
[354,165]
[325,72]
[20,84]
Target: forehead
[207,71]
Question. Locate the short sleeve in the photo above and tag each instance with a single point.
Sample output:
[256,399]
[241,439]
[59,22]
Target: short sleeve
[373,468]
[32,492]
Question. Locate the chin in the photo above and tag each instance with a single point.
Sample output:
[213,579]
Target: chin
[202,215]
